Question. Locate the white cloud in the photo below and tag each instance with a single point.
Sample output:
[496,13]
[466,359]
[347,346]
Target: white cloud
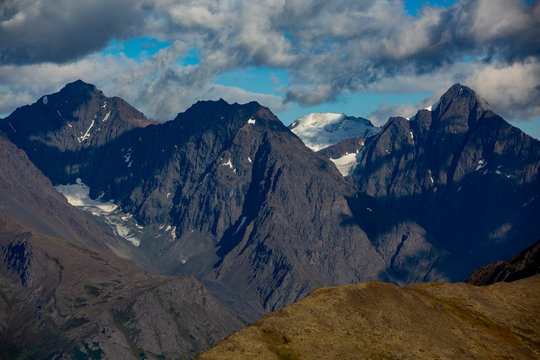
[25,84]
[329,48]
[384,111]
[512,90]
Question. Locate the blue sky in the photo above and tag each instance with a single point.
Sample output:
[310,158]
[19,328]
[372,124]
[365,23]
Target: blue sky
[370,58]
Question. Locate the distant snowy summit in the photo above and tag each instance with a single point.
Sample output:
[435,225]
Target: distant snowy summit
[336,136]
[320,130]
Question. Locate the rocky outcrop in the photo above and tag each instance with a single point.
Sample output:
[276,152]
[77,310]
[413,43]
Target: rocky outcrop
[525,264]
[344,147]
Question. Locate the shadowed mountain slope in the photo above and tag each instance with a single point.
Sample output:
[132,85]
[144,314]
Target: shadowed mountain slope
[463,173]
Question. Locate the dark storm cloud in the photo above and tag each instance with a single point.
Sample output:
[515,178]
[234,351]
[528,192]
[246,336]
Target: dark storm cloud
[33,31]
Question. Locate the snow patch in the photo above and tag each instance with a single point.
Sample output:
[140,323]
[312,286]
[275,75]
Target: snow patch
[429,108]
[127,234]
[11,126]
[127,158]
[106,117]
[242,222]
[369,209]
[249,159]
[78,195]
[430,176]
[228,163]
[481,164]
[346,163]
[104,105]
[173,233]
[86,135]
[251,121]
[528,202]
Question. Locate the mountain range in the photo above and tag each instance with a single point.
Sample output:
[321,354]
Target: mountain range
[225,193]
[238,215]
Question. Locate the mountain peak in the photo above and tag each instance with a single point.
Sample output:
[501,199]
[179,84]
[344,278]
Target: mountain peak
[321,130]
[76,117]
[464,97]
[78,88]
[218,112]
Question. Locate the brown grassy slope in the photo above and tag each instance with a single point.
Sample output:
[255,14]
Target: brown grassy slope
[375,320]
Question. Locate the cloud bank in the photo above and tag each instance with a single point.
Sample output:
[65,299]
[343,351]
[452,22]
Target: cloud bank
[328,48]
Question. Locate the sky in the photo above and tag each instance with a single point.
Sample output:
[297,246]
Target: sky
[369,58]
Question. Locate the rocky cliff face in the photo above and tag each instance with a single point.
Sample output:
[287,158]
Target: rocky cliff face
[249,206]
[463,173]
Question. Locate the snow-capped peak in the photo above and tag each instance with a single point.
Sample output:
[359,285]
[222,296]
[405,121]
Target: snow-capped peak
[320,130]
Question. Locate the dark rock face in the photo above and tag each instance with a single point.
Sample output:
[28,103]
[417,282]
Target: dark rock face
[463,173]
[347,146]
[229,194]
[523,265]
